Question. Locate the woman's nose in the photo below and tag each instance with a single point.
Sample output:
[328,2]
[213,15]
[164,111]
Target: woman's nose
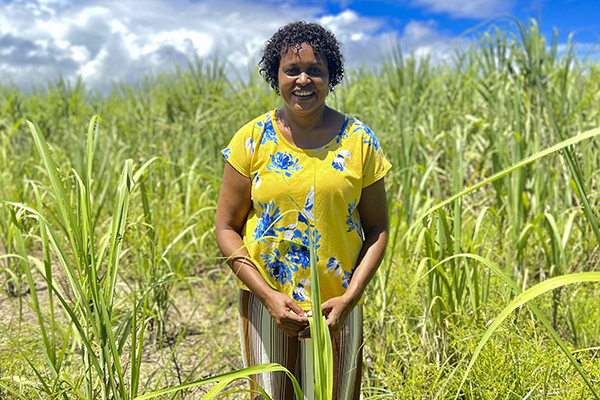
[303,78]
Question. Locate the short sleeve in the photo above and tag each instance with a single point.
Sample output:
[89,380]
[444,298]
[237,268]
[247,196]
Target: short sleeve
[240,150]
[375,165]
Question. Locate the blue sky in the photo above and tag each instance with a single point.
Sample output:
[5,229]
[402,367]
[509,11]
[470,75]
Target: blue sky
[106,41]
[580,17]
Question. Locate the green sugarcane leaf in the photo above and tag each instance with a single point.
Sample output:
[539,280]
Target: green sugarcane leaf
[229,377]
[553,149]
[497,271]
[524,298]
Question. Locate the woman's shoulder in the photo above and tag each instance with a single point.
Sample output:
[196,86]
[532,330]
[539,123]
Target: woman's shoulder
[258,131]
[360,132]
[258,122]
[356,125]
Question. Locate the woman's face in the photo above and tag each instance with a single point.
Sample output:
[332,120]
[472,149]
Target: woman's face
[303,79]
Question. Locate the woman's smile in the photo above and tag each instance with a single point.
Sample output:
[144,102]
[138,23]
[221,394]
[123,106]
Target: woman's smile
[303,93]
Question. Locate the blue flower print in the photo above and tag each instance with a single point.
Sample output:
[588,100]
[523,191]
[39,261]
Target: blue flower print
[342,134]
[226,153]
[303,236]
[266,221]
[300,293]
[256,181]
[277,268]
[284,163]
[341,160]
[316,237]
[302,218]
[368,135]
[289,232]
[334,266]
[250,145]
[353,225]
[347,277]
[298,255]
[307,211]
[269,133]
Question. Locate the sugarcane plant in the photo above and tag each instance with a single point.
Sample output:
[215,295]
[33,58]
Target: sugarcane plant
[322,351]
[97,326]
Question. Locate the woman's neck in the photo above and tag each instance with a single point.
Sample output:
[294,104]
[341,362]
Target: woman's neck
[309,131]
[303,122]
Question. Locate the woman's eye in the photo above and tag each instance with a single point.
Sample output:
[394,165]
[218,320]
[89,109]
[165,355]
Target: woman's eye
[292,71]
[314,71]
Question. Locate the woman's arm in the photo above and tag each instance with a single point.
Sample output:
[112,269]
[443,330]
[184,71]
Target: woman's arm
[374,218]
[232,211]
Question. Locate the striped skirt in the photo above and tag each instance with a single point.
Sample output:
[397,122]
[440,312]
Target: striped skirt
[263,342]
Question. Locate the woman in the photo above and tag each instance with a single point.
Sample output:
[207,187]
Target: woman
[302,169]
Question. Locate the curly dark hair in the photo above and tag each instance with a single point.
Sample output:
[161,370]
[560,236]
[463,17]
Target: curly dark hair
[293,35]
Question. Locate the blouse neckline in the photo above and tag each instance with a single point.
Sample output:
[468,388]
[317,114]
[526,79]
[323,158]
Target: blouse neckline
[335,139]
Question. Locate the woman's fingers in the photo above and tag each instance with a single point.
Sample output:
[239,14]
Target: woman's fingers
[335,310]
[288,316]
[295,307]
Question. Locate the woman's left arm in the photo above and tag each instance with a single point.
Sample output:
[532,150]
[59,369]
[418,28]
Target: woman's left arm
[374,218]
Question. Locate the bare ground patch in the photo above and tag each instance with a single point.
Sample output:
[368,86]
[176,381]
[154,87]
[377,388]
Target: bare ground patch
[199,338]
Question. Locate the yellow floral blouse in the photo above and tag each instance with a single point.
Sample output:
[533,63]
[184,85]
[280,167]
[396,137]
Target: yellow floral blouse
[296,191]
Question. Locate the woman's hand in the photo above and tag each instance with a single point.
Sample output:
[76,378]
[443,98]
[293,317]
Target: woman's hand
[336,311]
[286,313]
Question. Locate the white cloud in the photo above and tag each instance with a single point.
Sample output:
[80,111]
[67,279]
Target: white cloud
[359,46]
[113,40]
[468,8]
[108,40]
[417,32]
[422,39]
[347,23]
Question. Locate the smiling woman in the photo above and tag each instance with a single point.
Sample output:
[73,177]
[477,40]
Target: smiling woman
[300,176]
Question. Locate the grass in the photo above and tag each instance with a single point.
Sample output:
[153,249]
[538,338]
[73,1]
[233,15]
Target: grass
[112,279]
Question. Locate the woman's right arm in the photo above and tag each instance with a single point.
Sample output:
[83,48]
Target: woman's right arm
[232,211]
